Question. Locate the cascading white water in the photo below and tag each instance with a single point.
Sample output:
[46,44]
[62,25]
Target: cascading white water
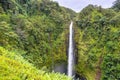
[70,51]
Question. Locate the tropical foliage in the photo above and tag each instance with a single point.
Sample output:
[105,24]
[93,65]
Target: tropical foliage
[34,37]
[14,67]
[37,29]
[99,43]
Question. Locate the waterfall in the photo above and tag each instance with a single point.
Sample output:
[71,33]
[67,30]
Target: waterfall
[70,51]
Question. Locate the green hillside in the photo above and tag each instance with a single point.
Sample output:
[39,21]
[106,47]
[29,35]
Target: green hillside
[14,67]
[99,43]
[35,31]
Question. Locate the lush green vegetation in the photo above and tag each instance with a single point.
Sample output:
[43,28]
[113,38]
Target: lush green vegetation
[33,38]
[98,43]
[14,67]
[35,31]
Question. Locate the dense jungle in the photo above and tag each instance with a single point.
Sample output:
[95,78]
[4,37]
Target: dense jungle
[34,36]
